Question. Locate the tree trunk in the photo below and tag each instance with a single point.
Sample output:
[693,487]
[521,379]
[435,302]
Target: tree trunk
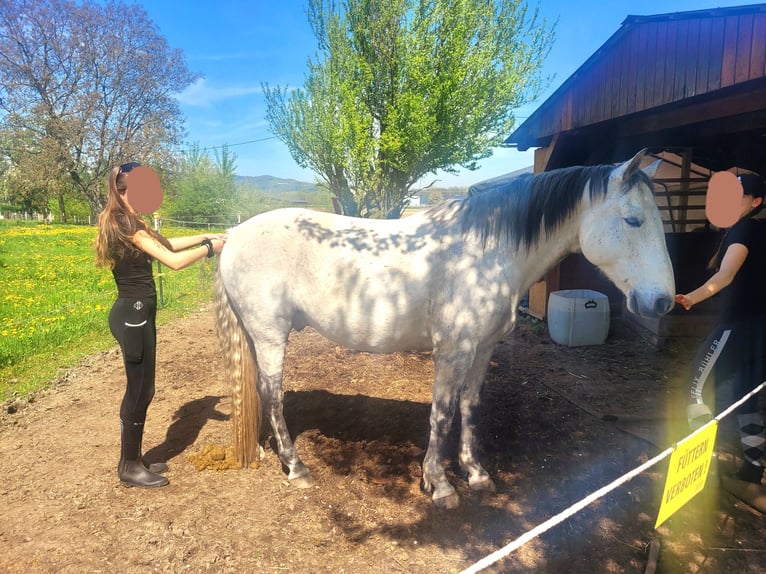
[62,208]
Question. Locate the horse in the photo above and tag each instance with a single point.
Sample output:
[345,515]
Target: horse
[447,279]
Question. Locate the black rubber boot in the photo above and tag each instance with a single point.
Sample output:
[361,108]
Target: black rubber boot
[155,467]
[131,469]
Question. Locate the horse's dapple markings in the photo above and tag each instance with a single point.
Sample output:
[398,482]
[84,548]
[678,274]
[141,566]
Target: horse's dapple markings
[447,279]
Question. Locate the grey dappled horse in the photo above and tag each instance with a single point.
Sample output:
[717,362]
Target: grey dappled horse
[447,279]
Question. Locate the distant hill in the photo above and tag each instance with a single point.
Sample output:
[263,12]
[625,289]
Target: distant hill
[270,184]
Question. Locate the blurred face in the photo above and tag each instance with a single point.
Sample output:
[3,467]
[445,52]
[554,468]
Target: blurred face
[143,192]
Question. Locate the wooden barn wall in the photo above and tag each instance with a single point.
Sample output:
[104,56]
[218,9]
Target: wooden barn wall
[660,62]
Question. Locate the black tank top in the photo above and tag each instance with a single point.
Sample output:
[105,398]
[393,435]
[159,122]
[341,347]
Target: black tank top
[133,270]
[133,275]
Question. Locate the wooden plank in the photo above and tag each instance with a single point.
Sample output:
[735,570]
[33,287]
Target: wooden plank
[634,55]
[567,115]
[670,64]
[729,62]
[682,60]
[543,155]
[658,85]
[614,88]
[653,55]
[704,40]
[693,59]
[580,103]
[683,204]
[744,49]
[538,300]
[538,293]
[624,72]
[617,62]
[715,65]
[599,88]
[645,67]
[758,48]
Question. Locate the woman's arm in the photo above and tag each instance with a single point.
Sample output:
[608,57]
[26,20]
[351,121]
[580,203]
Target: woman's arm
[181,243]
[175,259]
[732,261]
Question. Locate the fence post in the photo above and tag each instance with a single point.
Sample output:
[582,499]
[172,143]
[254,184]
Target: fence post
[159,265]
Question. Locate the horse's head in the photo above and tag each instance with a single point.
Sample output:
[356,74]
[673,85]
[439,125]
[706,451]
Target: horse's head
[623,236]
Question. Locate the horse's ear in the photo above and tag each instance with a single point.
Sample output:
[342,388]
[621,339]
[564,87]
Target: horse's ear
[651,169]
[625,170]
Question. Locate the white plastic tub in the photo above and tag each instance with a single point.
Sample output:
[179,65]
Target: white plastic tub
[578,317]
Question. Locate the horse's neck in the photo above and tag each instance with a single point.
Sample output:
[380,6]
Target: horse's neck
[547,252]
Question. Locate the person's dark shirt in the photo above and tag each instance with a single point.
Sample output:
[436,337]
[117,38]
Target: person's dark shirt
[133,270]
[133,276]
[746,295]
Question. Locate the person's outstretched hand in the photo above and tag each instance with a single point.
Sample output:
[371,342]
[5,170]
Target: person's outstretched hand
[684,301]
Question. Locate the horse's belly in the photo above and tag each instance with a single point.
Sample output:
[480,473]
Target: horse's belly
[377,331]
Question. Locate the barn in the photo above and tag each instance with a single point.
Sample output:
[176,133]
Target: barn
[690,87]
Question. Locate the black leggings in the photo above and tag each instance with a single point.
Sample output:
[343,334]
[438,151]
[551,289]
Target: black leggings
[733,353]
[132,322]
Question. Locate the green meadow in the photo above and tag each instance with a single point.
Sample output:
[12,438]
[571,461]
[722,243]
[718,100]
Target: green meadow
[54,301]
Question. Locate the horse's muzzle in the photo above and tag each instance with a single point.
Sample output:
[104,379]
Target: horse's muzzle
[649,307]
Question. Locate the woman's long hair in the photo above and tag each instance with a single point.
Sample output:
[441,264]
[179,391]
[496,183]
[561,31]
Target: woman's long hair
[117,224]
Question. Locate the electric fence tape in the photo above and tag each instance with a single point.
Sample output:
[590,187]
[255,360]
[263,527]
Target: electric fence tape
[561,516]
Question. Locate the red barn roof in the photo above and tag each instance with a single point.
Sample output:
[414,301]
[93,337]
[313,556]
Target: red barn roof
[687,80]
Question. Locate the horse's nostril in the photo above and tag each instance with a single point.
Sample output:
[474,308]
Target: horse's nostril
[662,305]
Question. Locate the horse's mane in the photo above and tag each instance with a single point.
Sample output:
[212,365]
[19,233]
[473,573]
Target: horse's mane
[518,207]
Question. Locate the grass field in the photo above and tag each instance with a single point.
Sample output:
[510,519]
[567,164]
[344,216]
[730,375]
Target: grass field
[54,301]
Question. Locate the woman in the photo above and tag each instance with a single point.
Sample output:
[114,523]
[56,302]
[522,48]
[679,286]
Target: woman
[736,349]
[127,246]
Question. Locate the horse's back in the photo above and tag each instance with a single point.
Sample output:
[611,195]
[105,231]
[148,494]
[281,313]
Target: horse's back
[313,240]
[363,283]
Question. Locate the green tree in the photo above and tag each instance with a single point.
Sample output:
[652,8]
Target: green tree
[87,85]
[403,88]
[205,189]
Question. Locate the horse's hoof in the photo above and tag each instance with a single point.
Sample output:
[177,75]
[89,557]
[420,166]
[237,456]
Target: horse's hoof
[449,502]
[484,483]
[305,481]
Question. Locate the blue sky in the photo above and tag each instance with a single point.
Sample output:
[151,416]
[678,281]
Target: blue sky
[236,45]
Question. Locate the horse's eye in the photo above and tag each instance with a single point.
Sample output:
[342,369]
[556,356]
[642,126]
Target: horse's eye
[633,221]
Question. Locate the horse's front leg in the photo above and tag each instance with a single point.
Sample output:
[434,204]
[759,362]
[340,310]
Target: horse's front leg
[449,373]
[270,363]
[478,478]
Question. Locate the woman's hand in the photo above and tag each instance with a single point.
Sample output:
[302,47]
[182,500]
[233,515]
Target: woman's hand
[217,241]
[685,301]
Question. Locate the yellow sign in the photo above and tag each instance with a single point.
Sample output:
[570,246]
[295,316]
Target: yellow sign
[687,471]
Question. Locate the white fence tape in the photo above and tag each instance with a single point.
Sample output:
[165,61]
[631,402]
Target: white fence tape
[561,516]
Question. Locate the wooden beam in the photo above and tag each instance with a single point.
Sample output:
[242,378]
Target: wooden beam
[543,155]
[538,293]
[683,204]
[694,113]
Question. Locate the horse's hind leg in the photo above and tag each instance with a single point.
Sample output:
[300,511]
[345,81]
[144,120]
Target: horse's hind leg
[478,478]
[270,362]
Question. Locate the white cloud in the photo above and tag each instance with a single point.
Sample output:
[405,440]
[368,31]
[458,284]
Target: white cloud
[201,94]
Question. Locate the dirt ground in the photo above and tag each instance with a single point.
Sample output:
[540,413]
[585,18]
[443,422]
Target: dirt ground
[557,423]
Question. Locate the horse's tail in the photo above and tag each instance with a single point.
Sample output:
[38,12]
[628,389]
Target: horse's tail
[240,362]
